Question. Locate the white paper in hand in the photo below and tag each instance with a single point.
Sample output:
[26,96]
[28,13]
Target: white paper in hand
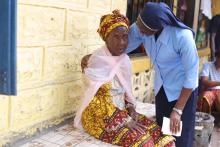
[166,127]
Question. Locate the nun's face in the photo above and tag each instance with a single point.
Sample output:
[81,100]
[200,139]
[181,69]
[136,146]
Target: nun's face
[117,40]
[144,30]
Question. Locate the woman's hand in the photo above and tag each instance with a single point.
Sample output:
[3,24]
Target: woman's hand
[175,119]
[132,113]
[133,124]
[84,62]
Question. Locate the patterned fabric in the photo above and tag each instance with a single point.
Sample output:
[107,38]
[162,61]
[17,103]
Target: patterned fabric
[208,100]
[106,122]
[208,96]
[111,21]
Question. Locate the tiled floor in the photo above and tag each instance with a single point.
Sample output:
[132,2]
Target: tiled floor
[67,136]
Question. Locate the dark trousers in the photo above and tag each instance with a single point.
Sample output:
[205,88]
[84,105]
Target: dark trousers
[164,108]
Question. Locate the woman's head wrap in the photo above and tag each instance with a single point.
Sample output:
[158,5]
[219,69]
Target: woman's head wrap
[111,21]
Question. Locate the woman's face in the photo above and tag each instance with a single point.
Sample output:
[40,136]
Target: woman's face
[144,30]
[117,40]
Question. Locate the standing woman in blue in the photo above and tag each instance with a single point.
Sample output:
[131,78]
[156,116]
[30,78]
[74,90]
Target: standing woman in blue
[171,47]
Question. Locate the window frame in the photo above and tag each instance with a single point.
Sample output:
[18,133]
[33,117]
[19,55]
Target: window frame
[8,21]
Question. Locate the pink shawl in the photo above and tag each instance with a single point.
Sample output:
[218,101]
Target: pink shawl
[102,67]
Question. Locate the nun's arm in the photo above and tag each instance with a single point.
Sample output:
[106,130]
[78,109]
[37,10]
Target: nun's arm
[190,60]
[134,38]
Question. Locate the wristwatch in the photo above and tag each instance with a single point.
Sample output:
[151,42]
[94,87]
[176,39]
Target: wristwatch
[180,112]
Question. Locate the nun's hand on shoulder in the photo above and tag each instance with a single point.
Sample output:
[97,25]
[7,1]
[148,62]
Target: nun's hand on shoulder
[84,62]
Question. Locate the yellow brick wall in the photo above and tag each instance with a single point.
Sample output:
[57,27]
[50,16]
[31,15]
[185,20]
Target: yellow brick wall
[52,36]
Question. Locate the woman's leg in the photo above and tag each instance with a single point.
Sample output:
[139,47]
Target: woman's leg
[163,107]
[188,119]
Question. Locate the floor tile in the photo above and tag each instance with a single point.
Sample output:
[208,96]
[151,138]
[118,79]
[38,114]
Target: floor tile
[64,130]
[40,143]
[48,135]
[55,138]
[92,142]
[68,139]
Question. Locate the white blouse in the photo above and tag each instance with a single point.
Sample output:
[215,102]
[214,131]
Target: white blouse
[210,71]
[118,94]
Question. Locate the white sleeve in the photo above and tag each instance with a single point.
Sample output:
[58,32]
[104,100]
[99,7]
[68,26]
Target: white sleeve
[205,70]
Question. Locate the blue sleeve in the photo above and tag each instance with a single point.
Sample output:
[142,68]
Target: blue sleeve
[190,59]
[134,38]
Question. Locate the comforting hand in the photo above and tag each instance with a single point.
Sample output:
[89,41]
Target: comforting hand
[175,119]
[84,62]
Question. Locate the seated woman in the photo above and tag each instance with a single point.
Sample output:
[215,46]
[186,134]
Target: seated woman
[108,109]
[210,82]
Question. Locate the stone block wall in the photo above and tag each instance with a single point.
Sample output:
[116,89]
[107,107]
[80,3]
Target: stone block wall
[52,36]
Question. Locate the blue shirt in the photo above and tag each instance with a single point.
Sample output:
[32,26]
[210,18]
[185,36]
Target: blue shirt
[174,56]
